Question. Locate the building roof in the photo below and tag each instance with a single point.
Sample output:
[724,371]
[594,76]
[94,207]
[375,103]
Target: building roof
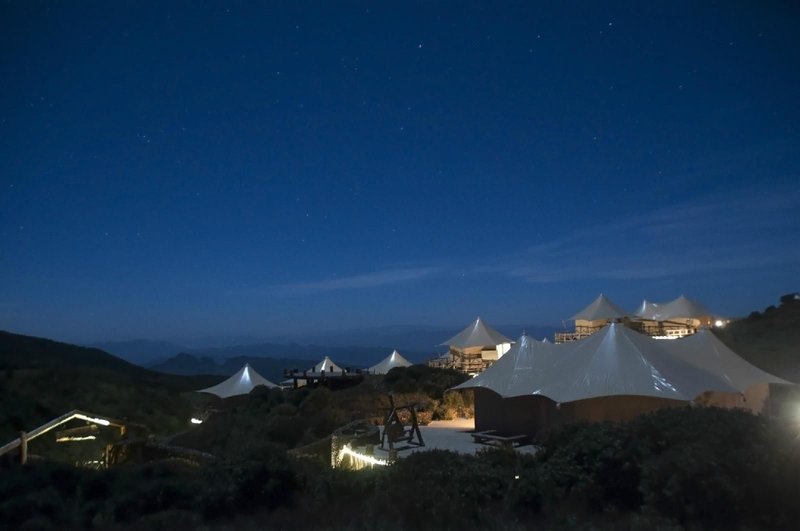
[601,308]
[241,383]
[619,361]
[395,359]
[477,334]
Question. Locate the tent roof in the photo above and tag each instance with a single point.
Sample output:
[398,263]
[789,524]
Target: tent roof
[395,359]
[706,351]
[680,307]
[646,309]
[327,365]
[614,361]
[601,308]
[477,334]
[241,383]
[523,367]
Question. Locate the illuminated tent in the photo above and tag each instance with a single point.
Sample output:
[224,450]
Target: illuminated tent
[241,383]
[390,362]
[614,361]
[601,309]
[477,334]
[614,375]
[327,365]
[476,347]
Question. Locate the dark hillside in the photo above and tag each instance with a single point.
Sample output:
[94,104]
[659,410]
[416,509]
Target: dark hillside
[26,352]
[42,379]
[769,339]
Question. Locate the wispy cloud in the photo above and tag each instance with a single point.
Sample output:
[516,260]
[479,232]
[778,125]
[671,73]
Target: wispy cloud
[373,279]
[724,233]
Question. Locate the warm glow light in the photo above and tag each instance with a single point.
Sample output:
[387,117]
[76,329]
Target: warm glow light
[369,459]
[196,421]
[76,438]
[719,323]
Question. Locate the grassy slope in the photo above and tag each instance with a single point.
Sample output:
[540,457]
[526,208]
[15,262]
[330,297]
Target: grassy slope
[769,340]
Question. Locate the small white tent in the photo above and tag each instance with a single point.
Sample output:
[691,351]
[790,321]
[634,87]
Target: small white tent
[328,366]
[389,362]
[241,383]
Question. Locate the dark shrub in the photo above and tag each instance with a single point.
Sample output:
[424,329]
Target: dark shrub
[592,465]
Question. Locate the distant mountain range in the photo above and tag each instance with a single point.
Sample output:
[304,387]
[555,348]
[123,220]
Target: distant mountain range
[270,368]
[141,351]
[361,347]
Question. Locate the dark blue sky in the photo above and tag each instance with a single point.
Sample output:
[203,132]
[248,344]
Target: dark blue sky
[177,171]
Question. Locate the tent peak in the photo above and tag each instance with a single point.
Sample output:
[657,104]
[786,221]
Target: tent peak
[601,308]
[477,334]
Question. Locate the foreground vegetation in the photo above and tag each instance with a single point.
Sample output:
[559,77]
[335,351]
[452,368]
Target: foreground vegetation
[692,468]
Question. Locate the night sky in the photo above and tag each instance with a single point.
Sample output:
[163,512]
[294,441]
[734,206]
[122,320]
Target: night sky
[182,170]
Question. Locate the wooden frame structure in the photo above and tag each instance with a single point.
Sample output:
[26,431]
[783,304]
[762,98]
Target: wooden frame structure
[22,441]
[395,431]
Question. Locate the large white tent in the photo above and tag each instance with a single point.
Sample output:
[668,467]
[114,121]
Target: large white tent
[241,383]
[614,374]
[395,359]
[614,361]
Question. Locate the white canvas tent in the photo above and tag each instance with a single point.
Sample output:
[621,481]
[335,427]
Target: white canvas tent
[395,359]
[615,374]
[241,383]
[601,308]
[614,361]
[523,368]
[328,366]
[706,351]
[680,308]
[477,334]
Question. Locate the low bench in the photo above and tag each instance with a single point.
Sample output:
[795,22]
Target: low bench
[489,437]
